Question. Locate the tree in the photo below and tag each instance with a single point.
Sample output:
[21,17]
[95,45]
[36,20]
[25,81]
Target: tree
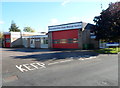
[108,23]
[1,39]
[28,29]
[14,28]
[1,35]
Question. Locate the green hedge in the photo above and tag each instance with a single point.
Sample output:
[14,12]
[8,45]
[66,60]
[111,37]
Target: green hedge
[108,50]
[88,46]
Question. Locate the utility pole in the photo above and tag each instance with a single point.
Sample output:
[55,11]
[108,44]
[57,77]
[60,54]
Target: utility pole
[101,5]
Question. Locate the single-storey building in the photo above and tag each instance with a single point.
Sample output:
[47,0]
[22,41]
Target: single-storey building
[35,41]
[77,35]
[12,39]
[25,39]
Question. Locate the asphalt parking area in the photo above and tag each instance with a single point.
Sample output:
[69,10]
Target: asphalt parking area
[17,63]
[13,57]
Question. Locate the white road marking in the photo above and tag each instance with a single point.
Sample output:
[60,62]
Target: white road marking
[87,58]
[65,61]
[31,66]
[42,65]
[53,63]
[81,59]
[28,67]
[20,68]
[59,62]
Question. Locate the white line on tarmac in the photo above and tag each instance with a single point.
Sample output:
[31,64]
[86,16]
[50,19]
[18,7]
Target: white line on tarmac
[53,63]
[59,62]
[87,58]
[31,66]
[65,61]
[81,59]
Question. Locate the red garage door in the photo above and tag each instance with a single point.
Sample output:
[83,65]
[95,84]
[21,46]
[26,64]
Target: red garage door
[7,40]
[65,39]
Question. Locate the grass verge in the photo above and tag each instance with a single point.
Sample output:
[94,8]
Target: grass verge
[108,50]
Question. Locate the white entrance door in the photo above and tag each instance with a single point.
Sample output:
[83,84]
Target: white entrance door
[32,43]
[44,43]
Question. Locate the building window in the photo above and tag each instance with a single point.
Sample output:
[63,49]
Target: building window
[45,41]
[56,41]
[92,33]
[37,39]
[74,40]
[7,40]
[31,42]
[70,40]
[63,41]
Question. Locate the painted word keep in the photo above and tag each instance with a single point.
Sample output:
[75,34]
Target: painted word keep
[31,66]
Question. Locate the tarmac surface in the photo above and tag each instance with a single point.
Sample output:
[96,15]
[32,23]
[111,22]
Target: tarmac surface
[44,67]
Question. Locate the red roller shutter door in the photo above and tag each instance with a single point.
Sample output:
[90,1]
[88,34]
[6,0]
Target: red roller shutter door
[7,40]
[65,34]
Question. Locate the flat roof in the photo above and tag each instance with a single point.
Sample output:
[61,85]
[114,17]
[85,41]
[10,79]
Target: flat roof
[35,36]
[23,33]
